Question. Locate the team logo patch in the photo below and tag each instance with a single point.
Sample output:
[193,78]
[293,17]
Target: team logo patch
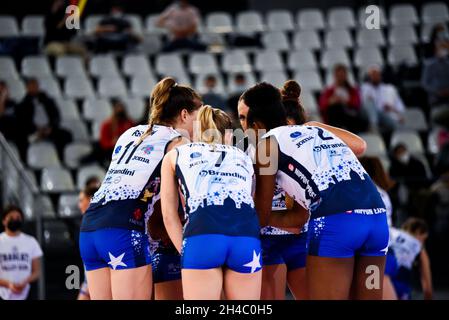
[147,149]
[291,167]
[117,149]
[295,134]
[194,155]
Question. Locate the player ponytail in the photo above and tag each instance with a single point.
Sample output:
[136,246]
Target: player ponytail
[168,99]
[294,110]
[213,124]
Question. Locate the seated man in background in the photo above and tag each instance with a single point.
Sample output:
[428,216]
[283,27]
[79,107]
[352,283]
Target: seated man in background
[381,101]
[39,119]
[115,32]
[7,112]
[182,20]
[340,103]
[211,96]
[19,257]
[237,88]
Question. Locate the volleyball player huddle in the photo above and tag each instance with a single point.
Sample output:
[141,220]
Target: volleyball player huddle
[182,213]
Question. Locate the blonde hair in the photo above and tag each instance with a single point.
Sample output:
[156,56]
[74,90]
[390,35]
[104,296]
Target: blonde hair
[167,100]
[213,124]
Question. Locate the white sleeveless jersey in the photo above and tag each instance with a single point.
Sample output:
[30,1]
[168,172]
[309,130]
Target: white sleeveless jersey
[406,247]
[388,205]
[135,169]
[209,177]
[321,173]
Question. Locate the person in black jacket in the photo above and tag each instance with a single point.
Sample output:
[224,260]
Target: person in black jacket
[39,119]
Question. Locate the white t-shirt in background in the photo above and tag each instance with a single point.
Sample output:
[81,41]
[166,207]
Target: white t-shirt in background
[16,256]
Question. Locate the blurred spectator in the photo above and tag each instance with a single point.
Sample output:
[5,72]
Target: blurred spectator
[182,20]
[19,257]
[407,168]
[39,119]
[380,177]
[92,182]
[340,103]
[435,77]
[238,87]
[440,203]
[381,101]
[115,32]
[439,33]
[58,38]
[211,96]
[7,112]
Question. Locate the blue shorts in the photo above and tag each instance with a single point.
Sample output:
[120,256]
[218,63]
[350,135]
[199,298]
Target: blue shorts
[290,250]
[391,264]
[403,290]
[114,248]
[166,267]
[240,254]
[345,235]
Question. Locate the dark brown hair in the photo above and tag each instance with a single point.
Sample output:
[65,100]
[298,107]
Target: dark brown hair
[415,226]
[376,171]
[291,92]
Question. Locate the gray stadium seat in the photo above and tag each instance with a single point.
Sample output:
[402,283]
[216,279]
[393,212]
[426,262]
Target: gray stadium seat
[49,85]
[426,30]
[179,75]
[434,12]
[86,172]
[96,109]
[56,236]
[309,102]
[363,16]
[55,180]
[33,25]
[44,206]
[78,88]
[375,145]
[250,80]
[111,87]
[330,57]
[276,78]
[402,55]
[341,18]
[151,44]
[309,80]
[8,68]
[150,25]
[280,20]
[370,38]
[236,61]
[215,41]
[269,60]
[34,66]
[141,86]
[403,14]
[311,19]
[301,60]
[135,107]
[68,206]
[414,119]
[136,65]
[136,22]
[91,22]
[16,89]
[410,138]
[8,26]
[67,109]
[249,22]
[168,63]
[70,66]
[340,38]
[199,83]
[42,155]
[308,39]
[201,63]
[366,57]
[96,127]
[74,151]
[103,66]
[219,22]
[77,128]
[402,35]
[275,40]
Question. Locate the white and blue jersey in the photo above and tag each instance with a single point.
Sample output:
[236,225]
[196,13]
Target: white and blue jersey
[405,249]
[113,230]
[216,182]
[322,174]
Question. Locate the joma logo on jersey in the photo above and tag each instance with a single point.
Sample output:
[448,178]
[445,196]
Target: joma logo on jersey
[300,143]
[141,159]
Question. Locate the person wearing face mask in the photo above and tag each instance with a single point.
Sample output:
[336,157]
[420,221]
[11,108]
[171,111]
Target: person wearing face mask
[407,168]
[19,257]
